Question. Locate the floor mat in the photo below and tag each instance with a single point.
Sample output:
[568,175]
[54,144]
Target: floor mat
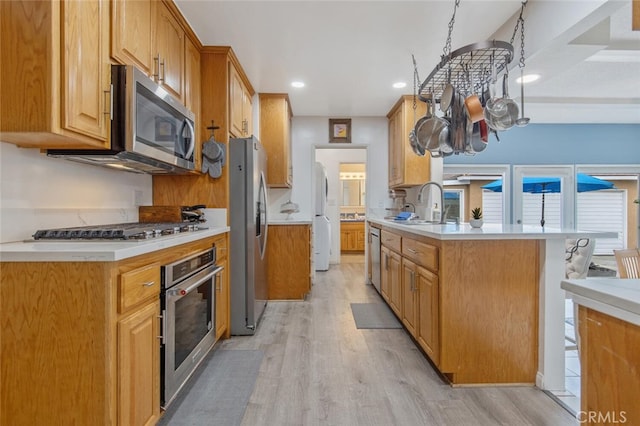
[374,315]
[218,392]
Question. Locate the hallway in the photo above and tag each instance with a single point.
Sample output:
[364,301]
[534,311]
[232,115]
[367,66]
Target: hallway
[318,369]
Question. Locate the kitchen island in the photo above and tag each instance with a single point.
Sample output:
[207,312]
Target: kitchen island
[609,347]
[80,327]
[484,304]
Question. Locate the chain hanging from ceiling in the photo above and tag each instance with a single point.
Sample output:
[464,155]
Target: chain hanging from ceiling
[522,120]
[472,63]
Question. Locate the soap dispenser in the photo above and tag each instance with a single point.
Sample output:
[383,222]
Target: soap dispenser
[435,213]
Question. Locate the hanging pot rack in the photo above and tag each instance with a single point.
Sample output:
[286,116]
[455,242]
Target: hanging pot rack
[468,63]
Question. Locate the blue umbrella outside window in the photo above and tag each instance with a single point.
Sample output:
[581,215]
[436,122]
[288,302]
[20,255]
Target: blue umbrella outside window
[542,185]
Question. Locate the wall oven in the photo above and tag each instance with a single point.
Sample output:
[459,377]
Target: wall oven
[187,301]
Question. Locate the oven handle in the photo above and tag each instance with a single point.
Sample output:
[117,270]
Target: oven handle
[197,284]
[163,317]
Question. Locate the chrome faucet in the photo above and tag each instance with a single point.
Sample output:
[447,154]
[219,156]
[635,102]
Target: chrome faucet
[442,210]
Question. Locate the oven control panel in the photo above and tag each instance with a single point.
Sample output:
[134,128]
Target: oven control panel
[177,271]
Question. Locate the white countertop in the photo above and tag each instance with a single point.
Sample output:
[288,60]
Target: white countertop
[619,298]
[464,231]
[290,222]
[96,251]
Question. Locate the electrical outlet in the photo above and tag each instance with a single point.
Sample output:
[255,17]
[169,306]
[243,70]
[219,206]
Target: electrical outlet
[137,197]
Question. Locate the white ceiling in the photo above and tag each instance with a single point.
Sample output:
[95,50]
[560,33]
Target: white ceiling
[350,52]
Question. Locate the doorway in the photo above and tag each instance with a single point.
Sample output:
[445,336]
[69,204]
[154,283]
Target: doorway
[352,210]
[332,157]
[530,201]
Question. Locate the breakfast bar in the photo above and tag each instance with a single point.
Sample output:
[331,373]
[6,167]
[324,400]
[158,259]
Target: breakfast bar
[609,347]
[495,303]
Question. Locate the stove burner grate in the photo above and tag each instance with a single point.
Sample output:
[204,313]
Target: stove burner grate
[118,231]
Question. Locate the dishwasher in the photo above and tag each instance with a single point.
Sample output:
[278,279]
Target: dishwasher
[375,257]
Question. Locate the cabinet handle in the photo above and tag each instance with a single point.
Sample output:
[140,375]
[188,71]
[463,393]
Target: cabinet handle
[156,66]
[108,107]
[163,72]
[412,251]
[413,281]
[148,283]
[386,262]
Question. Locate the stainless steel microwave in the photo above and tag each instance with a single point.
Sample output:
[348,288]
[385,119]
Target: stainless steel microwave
[151,131]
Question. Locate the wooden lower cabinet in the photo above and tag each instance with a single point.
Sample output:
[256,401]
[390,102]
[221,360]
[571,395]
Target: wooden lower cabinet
[385,284]
[420,302]
[80,340]
[289,261]
[222,302]
[139,367]
[410,296]
[352,237]
[223,295]
[476,319]
[394,278]
[427,330]
[609,360]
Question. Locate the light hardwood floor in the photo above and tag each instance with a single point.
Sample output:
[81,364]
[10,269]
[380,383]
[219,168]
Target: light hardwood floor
[318,369]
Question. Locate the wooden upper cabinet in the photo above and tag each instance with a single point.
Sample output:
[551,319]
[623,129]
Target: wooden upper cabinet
[406,168]
[147,34]
[170,50]
[241,104]
[217,64]
[395,165]
[55,73]
[132,33]
[275,136]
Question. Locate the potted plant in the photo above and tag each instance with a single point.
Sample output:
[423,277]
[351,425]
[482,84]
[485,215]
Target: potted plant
[476,218]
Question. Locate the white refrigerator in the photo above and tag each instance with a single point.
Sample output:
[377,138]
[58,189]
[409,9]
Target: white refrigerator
[321,223]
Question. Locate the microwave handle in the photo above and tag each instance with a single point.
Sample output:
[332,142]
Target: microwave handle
[192,143]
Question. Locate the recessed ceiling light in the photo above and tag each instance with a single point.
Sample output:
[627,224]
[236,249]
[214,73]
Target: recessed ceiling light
[527,78]
[399,85]
[297,84]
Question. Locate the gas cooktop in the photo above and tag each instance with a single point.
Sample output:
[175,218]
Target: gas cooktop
[118,231]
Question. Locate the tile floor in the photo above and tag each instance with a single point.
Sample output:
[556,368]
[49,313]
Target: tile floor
[571,397]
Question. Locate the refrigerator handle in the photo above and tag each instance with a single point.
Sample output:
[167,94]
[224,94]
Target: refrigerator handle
[263,189]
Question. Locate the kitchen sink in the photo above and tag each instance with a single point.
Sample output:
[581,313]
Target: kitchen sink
[415,222]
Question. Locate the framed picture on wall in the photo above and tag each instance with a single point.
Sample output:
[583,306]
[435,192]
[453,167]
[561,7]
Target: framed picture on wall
[340,130]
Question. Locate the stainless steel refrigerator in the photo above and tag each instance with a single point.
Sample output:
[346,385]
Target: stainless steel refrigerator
[248,244]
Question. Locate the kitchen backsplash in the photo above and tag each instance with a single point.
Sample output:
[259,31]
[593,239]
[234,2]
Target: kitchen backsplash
[38,192]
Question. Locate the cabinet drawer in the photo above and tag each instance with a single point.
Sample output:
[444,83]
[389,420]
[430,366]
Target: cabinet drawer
[391,240]
[138,285]
[421,253]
